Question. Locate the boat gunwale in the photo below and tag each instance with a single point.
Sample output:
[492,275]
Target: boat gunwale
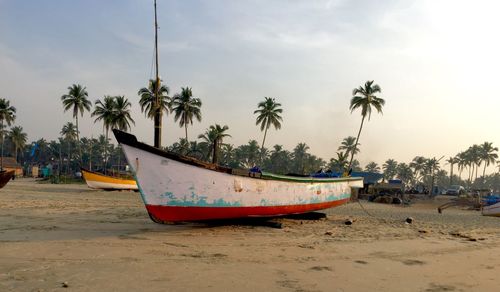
[130,140]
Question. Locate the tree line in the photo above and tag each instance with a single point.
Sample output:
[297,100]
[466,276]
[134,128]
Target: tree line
[70,150]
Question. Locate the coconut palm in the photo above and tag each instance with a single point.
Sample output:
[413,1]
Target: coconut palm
[105,111]
[69,133]
[77,101]
[214,136]
[404,172]
[207,143]
[219,134]
[186,107]
[488,155]
[390,168]
[279,160]
[122,119]
[227,155]
[452,161]
[248,154]
[148,102]
[268,113]
[372,167]
[461,163]
[340,162]
[121,116]
[365,98]
[18,138]
[418,166]
[181,147]
[348,145]
[299,155]
[7,116]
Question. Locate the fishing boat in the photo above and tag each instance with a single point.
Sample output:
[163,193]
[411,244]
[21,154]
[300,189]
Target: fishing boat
[179,188]
[96,180]
[491,210]
[5,176]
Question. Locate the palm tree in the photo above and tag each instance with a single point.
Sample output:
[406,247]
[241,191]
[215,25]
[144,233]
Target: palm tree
[214,136]
[77,101]
[122,119]
[299,156]
[227,155]
[418,166]
[390,168]
[181,147]
[70,133]
[186,107]
[461,163]
[431,166]
[452,161]
[18,138]
[279,160]
[219,135]
[339,163]
[404,172]
[148,102]
[268,114]
[372,167]
[7,115]
[105,111]
[488,155]
[348,144]
[248,154]
[121,116]
[365,100]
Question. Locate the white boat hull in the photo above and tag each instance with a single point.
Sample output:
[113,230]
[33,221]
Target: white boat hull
[177,191]
[492,210]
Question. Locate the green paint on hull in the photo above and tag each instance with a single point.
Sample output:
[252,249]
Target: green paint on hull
[272,176]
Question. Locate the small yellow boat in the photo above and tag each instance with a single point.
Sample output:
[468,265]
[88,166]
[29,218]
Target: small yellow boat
[100,181]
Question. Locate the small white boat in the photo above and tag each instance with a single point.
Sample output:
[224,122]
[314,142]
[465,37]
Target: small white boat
[492,210]
[178,188]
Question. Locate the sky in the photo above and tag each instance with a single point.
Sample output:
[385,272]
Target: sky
[435,61]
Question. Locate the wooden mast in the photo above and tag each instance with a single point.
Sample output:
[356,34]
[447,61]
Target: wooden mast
[158,114]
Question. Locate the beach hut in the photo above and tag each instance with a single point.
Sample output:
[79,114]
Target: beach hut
[10,163]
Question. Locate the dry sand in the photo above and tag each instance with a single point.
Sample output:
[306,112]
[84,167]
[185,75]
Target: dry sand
[105,241]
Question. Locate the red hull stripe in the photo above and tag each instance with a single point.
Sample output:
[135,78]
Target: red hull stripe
[176,213]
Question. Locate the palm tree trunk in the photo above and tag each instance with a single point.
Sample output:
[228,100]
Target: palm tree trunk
[60,160]
[106,151]
[1,156]
[90,155]
[69,157]
[119,160]
[214,153]
[186,130]
[451,174]
[157,129]
[355,144]
[262,147]
[78,140]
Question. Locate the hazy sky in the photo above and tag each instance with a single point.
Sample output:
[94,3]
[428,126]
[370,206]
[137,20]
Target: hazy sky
[435,61]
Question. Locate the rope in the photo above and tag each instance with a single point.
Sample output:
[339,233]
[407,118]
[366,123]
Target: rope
[371,215]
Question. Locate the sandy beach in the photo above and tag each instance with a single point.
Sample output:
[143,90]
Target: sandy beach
[104,241]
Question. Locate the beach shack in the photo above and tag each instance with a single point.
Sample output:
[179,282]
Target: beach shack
[10,163]
[369,179]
